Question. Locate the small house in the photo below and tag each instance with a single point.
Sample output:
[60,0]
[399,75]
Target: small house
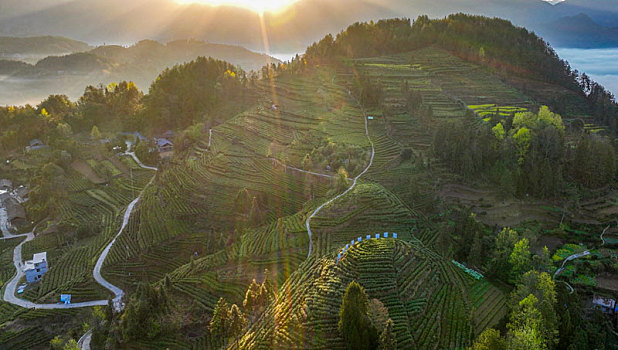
[36,268]
[164,145]
[35,144]
[606,305]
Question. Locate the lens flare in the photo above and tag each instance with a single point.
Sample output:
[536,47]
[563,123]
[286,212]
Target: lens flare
[259,6]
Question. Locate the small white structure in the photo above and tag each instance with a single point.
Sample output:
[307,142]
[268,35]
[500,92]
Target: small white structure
[607,305]
[36,268]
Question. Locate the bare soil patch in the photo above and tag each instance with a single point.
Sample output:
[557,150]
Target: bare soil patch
[83,168]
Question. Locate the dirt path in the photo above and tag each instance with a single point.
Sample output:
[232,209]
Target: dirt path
[354,182]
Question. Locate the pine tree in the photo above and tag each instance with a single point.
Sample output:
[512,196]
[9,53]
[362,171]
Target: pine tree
[354,323]
[219,324]
[95,133]
[237,323]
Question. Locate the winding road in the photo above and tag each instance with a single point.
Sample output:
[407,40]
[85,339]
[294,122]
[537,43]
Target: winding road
[11,286]
[572,257]
[354,182]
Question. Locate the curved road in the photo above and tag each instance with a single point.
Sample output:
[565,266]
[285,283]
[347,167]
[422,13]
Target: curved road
[572,257]
[11,286]
[318,209]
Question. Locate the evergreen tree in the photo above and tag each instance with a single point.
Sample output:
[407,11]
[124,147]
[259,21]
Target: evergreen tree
[95,133]
[237,323]
[220,322]
[354,323]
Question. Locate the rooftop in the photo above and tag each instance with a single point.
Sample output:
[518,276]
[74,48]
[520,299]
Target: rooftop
[36,258]
[603,301]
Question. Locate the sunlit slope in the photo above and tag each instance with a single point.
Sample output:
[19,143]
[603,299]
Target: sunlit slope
[433,303]
[193,205]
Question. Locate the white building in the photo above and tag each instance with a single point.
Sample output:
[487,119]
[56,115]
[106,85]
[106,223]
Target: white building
[35,268]
[606,305]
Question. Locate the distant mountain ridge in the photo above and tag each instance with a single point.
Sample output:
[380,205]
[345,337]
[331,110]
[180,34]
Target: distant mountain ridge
[289,31]
[581,31]
[141,63]
[34,48]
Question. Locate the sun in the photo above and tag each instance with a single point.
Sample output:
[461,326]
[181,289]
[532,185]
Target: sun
[259,6]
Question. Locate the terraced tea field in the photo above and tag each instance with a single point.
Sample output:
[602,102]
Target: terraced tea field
[432,302]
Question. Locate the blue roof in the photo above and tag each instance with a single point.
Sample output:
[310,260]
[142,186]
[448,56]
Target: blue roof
[65,298]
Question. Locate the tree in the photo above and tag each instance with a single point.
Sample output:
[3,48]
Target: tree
[543,288]
[341,180]
[354,323]
[524,330]
[490,339]
[498,131]
[542,261]
[520,259]
[388,341]
[220,322]
[95,133]
[252,302]
[476,252]
[504,243]
[242,203]
[237,323]
[378,314]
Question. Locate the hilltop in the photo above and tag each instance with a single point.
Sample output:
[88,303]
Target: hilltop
[432,302]
[33,48]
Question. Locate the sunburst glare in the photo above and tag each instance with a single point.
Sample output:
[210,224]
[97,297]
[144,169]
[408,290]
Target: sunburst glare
[259,6]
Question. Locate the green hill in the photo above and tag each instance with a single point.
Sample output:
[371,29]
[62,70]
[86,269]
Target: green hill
[430,114]
[431,301]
